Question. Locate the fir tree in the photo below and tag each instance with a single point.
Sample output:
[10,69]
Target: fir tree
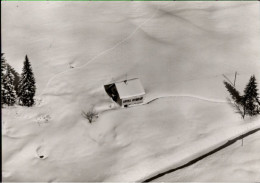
[3,65]
[27,88]
[250,99]
[233,92]
[16,77]
[236,98]
[3,72]
[8,91]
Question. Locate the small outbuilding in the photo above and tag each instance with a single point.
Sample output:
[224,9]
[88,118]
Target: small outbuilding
[126,93]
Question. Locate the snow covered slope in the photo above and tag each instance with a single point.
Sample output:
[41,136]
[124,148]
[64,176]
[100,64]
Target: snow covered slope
[177,38]
[178,50]
[239,162]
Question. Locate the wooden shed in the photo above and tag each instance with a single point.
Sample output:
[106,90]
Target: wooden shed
[126,93]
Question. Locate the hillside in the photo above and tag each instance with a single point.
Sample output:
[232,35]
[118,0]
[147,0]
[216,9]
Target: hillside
[178,50]
[239,160]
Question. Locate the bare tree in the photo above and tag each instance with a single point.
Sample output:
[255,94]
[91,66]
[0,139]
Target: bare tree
[90,115]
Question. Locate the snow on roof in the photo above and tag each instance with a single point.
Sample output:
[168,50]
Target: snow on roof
[129,88]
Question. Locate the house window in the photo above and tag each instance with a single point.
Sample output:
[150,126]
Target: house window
[137,99]
[125,101]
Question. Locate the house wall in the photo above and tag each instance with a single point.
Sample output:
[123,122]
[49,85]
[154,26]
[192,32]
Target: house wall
[111,91]
[119,101]
[132,100]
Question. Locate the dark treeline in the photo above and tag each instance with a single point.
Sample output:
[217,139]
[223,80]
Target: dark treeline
[15,87]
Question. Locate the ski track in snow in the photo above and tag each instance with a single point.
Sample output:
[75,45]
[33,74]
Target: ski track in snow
[108,50]
[182,96]
[103,52]
[174,96]
[187,96]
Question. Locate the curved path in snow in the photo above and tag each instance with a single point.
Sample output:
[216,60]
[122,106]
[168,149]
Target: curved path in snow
[187,96]
[103,52]
[169,96]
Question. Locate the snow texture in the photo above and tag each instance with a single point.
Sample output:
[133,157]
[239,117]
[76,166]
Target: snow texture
[234,164]
[179,50]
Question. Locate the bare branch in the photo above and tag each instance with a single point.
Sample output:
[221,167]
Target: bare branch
[238,108]
[227,79]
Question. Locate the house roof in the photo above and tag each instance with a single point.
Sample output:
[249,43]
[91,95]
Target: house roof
[129,88]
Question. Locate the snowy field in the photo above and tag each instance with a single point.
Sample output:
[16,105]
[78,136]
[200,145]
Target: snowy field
[179,50]
[234,164]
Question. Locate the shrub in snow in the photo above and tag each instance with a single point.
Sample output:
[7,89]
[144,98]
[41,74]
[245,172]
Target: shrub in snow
[248,104]
[26,87]
[8,91]
[90,115]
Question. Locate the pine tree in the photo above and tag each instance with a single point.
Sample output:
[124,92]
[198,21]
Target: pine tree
[3,65]
[27,88]
[3,72]
[250,99]
[237,99]
[233,92]
[8,91]
[16,77]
